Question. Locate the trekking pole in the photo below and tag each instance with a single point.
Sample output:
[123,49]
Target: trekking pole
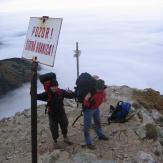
[34,110]
[81,114]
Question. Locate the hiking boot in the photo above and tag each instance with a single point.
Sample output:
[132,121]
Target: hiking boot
[91,146]
[56,145]
[103,137]
[67,141]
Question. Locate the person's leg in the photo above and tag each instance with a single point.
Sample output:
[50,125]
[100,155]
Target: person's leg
[87,126]
[97,122]
[53,124]
[64,127]
[63,121]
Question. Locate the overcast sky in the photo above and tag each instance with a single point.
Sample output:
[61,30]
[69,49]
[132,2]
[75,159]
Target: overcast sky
[115,9]
[115,36]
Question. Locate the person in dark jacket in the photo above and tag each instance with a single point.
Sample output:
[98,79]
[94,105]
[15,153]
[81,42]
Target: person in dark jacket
[56,112]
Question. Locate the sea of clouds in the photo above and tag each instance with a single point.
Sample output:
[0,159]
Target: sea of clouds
[122,47]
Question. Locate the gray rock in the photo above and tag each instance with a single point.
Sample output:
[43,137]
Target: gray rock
[51,158]
[146,117]
[64,161]
[104,161]
[143,157]
[156,115]
[84,157]
[148,131]
[151,132]
[64,155]
[89,158]
[69,103]
[141,132]
[157,149]
[27,113]
[159,132]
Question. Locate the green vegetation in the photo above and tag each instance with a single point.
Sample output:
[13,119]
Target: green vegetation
[149,98]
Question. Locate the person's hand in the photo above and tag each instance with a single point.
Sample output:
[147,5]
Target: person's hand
[30,91]
[87,96]
[68,90]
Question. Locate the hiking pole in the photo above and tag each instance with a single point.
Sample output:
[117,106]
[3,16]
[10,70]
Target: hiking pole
[81,114]
[34,110]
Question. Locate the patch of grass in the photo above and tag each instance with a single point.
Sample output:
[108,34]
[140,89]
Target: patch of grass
[149,99]
[151,132]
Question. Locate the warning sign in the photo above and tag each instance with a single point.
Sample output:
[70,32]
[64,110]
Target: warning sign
[42,39]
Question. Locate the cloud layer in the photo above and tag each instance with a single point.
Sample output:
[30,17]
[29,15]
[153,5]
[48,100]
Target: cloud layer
[120,42]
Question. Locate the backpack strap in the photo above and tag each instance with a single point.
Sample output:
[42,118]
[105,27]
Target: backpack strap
[119,103]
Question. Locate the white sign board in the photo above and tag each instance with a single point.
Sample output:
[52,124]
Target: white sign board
[42,39]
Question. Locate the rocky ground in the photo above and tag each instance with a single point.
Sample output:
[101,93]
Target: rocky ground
[138,140]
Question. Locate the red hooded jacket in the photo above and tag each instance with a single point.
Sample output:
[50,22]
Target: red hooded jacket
[95,101]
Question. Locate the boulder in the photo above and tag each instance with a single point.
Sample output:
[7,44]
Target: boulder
[52,157]
[145,116]
[141,132]
[84,157]
[160,134]
[157,117]
[143,157]
[151,132]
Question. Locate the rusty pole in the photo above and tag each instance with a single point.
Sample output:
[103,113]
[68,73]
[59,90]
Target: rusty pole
[34,110]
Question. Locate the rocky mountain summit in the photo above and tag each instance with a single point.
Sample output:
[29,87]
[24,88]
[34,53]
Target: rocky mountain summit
[14,72]
[140,140]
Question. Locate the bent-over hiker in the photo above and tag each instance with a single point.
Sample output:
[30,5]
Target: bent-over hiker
[91,110]
[56,112]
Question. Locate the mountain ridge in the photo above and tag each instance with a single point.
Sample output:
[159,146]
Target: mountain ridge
[138,140]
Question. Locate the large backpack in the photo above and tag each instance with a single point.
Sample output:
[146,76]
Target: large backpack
[100,84]
[46,79]
[119,113]
[85,83]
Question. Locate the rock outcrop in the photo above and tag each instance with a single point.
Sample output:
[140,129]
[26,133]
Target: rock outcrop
[13,73]
[138,140]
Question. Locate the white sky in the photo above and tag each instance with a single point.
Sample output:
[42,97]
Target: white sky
[137,7]
[114,29]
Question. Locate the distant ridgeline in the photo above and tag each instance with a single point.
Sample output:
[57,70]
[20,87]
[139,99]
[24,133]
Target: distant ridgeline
[13,73]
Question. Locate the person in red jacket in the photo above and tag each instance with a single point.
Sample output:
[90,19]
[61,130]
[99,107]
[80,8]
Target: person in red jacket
[56,112]
[91,110]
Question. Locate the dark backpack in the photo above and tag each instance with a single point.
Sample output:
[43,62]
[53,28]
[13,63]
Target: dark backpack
[100,84]
[85,83]
[119,113]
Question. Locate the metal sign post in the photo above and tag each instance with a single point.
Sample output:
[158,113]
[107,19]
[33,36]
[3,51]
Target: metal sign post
[77,54]
[34,110]
[41,42]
